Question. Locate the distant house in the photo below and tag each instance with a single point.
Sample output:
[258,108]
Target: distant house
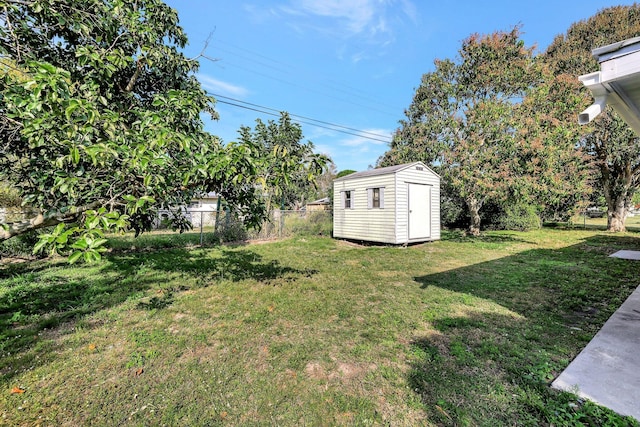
[396,204]
[201,211]
[323,204]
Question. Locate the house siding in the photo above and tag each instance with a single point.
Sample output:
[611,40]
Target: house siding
[388,224]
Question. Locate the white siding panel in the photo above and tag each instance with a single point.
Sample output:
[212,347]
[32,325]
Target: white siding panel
[412,175]
[388,224]
[362,222]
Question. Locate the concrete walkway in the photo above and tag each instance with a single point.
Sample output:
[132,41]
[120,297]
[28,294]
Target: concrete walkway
[607,371]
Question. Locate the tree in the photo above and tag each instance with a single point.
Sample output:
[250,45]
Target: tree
[462,118]
[324,187]
[611,143]
[551,172]
[100,122]
[290,166]
[345,172]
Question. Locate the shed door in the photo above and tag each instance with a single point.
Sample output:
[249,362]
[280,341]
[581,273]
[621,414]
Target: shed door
[419,211]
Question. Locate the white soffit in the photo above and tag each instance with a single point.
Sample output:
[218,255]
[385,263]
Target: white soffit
[617,83]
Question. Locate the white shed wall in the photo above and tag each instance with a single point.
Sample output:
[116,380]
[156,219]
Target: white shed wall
[413,176]
[388,224]
[362,222]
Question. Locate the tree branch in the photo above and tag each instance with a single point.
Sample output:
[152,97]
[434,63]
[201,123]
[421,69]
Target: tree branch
[201,54]
[10,28]
[136,74]
[13,229]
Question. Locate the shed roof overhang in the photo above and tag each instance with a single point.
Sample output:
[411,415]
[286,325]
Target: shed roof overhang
[617,83]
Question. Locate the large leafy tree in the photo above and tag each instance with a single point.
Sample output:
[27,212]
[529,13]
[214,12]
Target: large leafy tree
[611,143]
[462,118]
[100,121]
[290,165]
[550,171]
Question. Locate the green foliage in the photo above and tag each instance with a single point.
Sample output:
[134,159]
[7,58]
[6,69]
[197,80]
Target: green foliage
[20,246]
[462,117]
[521,217]
[100,111]
[9,197]
[312,224]
[611,144]
[496,122]
[345,172]
[289,168]
[453,212]
[230,229]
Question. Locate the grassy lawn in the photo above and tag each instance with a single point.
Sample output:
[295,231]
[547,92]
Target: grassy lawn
[311,331]
[632,223]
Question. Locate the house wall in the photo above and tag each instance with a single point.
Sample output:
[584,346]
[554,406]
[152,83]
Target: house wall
[362,222]
[414,176]
[204,213]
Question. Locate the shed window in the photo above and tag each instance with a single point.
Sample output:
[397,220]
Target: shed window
[348,201]
[376,198]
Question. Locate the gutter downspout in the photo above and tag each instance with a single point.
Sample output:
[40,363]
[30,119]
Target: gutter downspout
[593,111]
[593,81]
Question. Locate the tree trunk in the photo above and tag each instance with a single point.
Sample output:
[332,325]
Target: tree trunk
[12,229]
[616,215]
[474,206]
[616,185]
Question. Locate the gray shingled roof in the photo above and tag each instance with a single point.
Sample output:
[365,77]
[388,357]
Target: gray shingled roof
[375,172]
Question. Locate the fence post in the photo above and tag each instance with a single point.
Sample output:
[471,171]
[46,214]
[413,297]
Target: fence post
[215,225]
[201,221]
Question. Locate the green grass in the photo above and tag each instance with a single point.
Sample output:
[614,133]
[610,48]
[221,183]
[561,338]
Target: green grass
[632,223]
[311,331]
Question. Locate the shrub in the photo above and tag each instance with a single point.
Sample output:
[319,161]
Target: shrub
[230,229]
[312,224]
[520,217]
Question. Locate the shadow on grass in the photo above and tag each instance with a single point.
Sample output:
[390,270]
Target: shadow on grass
[489,365]
[46,297]
[457,235]
[209,265]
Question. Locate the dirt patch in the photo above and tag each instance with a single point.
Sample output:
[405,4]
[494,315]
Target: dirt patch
[315,371]
[342,371]
[351,370]
[349,244]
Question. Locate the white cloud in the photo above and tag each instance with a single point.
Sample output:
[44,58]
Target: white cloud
[214,85]
[325,149]
[356,14]
[352,17]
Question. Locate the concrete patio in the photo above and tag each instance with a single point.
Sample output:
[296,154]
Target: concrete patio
[607,371]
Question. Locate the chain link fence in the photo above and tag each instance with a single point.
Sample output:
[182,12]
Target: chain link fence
[210,227]
[224,226]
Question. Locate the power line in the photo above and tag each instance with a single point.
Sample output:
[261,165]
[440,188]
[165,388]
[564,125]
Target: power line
[299,116]
[285,68]
[301,119]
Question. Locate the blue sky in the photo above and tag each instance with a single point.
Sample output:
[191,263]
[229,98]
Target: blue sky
[352,63]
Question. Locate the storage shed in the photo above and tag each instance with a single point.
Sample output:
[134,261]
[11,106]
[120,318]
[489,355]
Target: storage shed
[396,204]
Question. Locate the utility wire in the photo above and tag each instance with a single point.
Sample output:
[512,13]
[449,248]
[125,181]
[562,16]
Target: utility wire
[286,68]
[307,120]
[319,92]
